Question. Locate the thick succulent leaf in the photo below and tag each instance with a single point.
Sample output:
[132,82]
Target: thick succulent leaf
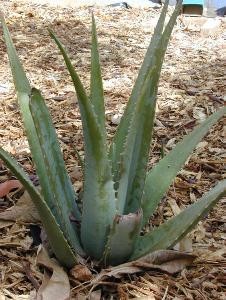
[23,89]
[96,86]
[94,142]
[56,238]
[161,176]
[57,177]
[99,209]
[122,238]
[99,204]
[118,143]
[169,233]
[23,93]
[20,80]
[122,130]
[135,157]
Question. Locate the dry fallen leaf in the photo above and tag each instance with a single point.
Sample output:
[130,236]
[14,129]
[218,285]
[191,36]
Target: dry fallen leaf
[166,260]
[119,271]
[55,286]
[163,260]
[9,185]
[23,211]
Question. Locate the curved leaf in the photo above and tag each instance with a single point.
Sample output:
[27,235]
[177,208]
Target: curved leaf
[122,238]
[99,203]
[57,177]
[135,156]
[134,159]
[161,176]
[96,86]
[23,89]
[56,238]
[169,233]
[117,146]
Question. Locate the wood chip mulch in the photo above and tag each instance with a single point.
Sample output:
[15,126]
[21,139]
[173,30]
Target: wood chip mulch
[192,86]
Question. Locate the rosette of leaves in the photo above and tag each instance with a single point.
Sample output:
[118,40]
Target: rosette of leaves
[120,194]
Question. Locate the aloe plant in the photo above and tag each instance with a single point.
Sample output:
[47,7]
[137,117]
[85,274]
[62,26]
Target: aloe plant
[120,194]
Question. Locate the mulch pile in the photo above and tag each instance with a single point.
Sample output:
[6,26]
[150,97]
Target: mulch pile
[192,86]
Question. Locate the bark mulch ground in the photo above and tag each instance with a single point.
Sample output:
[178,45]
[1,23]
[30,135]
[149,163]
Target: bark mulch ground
[192,86]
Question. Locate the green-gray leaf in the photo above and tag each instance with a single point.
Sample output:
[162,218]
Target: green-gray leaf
[118,143]
[96,86]
[137,146]
[99,203]
[23,94]
[170,232]
[161,176]
[56,238]
[122,238]
[57,177]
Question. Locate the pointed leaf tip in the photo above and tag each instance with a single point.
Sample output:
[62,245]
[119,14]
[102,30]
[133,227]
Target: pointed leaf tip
[173,230]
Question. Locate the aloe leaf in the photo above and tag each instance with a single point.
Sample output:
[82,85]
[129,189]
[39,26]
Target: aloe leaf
[93,137]
[99,208]
[169,233]
[62,188]
[96,86]
[56,238]
[57,177]
[22,85]
[161,176]
[99,203]
[122,238]
[23,93]
[135,157]
[117,145]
